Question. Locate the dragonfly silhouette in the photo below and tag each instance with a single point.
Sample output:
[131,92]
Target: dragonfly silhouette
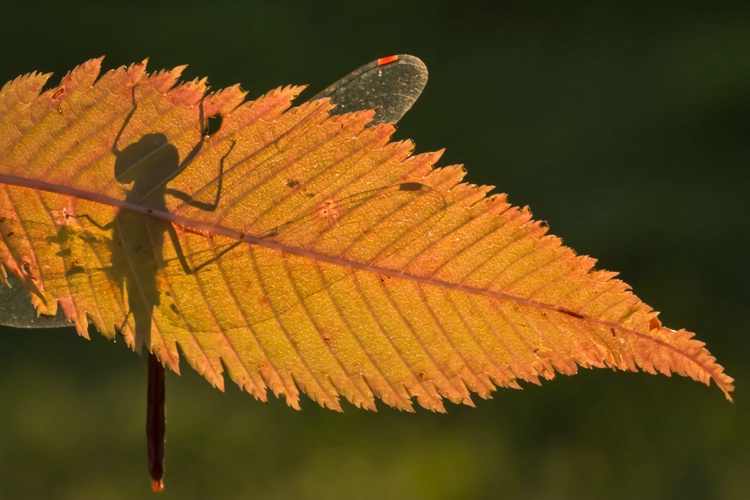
[389,85]
[137,244]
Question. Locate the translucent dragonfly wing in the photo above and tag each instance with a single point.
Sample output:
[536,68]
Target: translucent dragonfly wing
[389,85]
[18,312]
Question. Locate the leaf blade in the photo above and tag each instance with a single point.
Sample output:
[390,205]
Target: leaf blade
[334,262]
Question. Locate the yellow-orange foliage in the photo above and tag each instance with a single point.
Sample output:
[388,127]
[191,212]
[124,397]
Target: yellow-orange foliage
[333,262]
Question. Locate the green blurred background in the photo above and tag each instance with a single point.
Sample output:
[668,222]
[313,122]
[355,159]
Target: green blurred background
[626,127]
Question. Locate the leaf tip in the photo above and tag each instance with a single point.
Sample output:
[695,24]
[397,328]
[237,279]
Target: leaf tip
[725,383]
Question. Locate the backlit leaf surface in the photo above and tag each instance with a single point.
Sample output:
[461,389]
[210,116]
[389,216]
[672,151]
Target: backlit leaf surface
[299,251]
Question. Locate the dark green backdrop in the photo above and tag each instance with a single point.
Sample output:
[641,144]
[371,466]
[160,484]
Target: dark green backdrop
[625,127]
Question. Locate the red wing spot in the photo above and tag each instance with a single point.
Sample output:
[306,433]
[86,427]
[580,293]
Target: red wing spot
[613,332]
[387,60]
[59,92]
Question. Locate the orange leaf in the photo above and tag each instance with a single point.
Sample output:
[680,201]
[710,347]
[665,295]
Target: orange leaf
[299,250]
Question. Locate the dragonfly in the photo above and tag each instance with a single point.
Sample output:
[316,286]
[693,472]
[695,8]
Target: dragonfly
[390,86]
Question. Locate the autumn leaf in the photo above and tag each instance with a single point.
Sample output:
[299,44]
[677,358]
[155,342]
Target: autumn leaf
[300,251]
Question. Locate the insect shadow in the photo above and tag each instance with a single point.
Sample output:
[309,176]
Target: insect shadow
[137,242]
